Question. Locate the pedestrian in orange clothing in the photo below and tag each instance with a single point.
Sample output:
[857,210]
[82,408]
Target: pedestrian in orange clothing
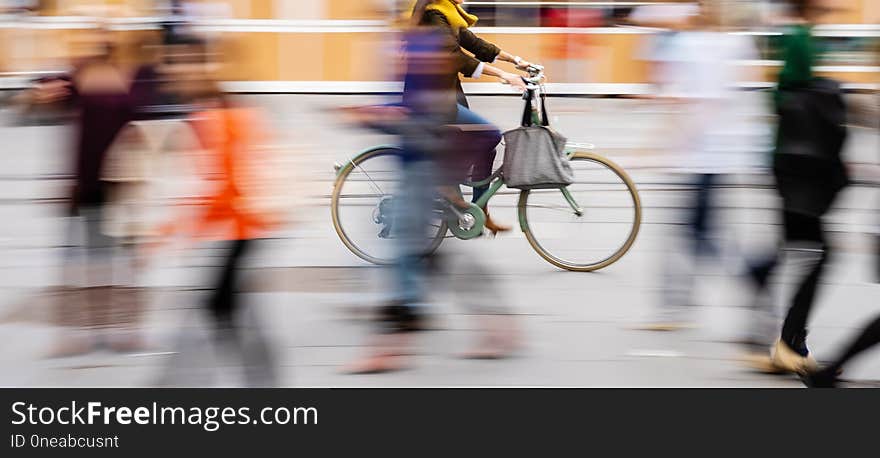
[233,211]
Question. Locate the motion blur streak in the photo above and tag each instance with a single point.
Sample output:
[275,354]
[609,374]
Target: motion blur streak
[170,169]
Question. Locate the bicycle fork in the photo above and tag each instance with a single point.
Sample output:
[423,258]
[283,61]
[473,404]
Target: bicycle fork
[578,211]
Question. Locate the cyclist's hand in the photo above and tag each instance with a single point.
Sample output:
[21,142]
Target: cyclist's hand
[515,81]
[523,65]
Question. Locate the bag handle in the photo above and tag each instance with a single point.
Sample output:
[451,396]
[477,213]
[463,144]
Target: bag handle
[545,119]
[527,110]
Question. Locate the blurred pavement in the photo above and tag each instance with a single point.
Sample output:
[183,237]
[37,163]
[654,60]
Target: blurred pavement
[315,296]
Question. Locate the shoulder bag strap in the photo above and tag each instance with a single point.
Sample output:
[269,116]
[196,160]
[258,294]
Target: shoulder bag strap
[527,110]
[545,118]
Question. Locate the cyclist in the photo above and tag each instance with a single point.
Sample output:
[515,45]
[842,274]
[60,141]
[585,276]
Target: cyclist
[479,137]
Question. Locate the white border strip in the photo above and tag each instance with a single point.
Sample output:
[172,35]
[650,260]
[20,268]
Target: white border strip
[577,4]
[819,68]
[375,87]
[391,87]
[386,87]
[363,26]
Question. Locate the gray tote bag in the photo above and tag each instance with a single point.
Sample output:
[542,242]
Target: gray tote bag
[534,156]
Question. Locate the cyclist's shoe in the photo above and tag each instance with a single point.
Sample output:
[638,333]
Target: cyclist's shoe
[493,226]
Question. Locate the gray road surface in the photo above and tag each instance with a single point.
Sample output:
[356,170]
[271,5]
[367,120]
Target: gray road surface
[314,296]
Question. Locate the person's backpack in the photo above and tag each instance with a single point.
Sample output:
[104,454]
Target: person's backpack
[812,131]
[534,156]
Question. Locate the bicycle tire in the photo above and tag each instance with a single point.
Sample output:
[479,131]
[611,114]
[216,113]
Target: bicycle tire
[558,261]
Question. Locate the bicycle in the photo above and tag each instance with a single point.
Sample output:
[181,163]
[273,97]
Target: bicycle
[546,217]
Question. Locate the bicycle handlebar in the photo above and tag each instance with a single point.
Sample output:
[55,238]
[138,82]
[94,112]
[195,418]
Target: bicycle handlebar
[536,74]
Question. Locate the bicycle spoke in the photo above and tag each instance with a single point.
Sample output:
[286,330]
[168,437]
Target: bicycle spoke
[575,242]
[370,179]
[363,214]
[559,208]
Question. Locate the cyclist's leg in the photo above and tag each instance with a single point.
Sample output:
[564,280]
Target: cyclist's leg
[480,138]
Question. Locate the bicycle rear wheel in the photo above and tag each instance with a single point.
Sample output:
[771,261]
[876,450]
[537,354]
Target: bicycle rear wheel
[594,228]
[362,202]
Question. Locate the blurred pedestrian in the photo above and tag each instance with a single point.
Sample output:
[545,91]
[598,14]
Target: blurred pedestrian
[429,128]
[428,106]
[106,95]
[827,376]
[700,78]
[232,213]
[809,174]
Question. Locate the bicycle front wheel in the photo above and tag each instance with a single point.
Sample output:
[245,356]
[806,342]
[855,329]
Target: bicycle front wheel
[588,225]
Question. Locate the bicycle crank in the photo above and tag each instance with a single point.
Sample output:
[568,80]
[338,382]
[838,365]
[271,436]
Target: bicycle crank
[382,215]
[466,223]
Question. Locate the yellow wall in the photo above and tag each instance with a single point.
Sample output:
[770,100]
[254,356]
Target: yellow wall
[850,11]
[361,56]
[352,9]
[601,58]
[872,12]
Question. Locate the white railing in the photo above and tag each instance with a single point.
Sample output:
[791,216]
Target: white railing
[357,26]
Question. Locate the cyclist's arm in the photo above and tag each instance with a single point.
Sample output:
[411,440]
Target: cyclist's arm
[515,60]
[480,48]
[488,52]
[466,64]
[510,78]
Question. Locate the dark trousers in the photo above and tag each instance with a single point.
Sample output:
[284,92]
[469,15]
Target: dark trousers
[798,229]
[680,270]
[236,335]
[701,216]
[223,303]
[869,337]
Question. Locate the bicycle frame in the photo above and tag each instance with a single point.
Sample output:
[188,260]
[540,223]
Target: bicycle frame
[494,181]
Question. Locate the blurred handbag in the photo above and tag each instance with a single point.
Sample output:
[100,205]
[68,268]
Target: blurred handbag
[534,155]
